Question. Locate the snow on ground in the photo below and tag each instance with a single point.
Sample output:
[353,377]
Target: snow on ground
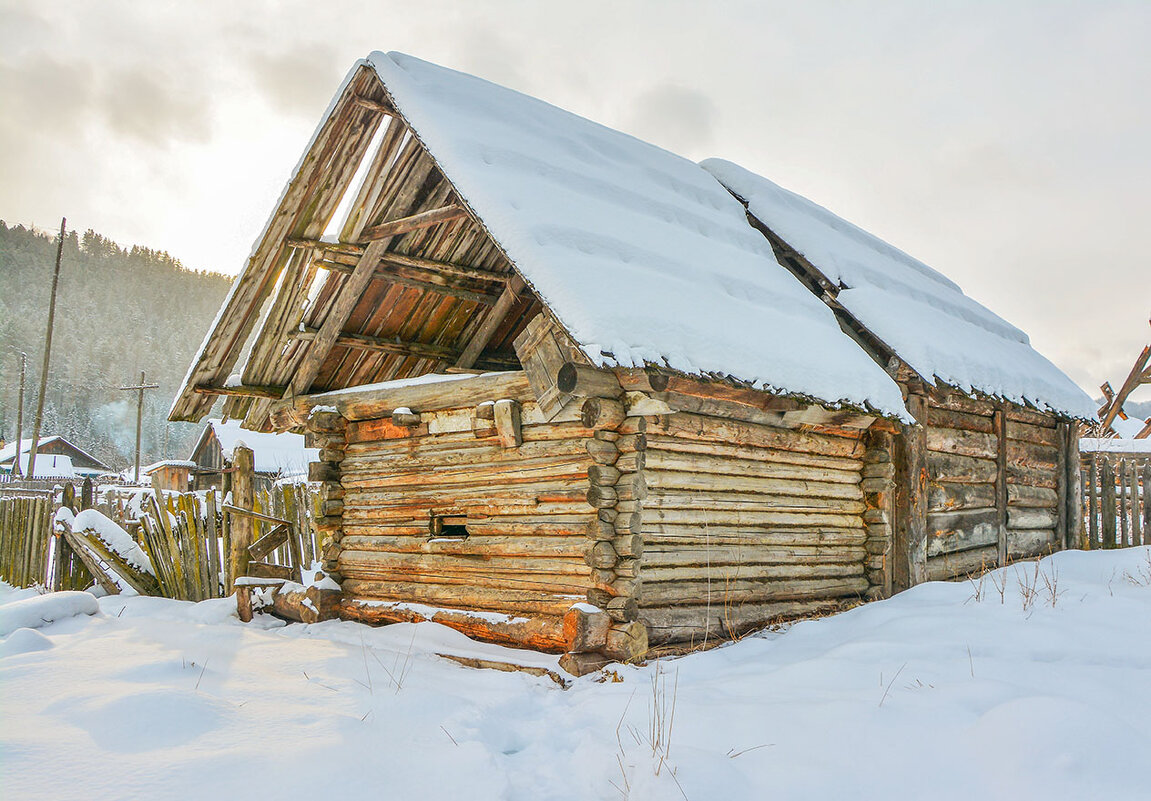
[948,691]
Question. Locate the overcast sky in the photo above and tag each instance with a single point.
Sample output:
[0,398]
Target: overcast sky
[1006,143]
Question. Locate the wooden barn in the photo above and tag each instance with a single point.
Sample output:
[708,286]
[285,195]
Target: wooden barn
[275,456]
[564,394]
[84,464]
[998,423]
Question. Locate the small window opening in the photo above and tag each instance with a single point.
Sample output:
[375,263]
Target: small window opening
[448,527]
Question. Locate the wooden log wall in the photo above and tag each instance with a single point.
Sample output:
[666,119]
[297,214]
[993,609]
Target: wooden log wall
[744,523]
[523,507]
[999,484]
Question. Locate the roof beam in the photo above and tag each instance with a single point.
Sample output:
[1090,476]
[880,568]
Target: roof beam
[250,391]
[404,225]
[348,250]
[487,329]
[433,282]
[419,350]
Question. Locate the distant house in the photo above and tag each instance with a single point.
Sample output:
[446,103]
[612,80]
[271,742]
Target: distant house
[277,456]
[83,464]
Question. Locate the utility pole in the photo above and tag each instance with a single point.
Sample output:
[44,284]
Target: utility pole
[47,356]
[140,415]
[20,413]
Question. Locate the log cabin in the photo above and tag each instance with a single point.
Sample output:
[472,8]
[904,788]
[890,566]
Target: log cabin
[998,423]
[564,395]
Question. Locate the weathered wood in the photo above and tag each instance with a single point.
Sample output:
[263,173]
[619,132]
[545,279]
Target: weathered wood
[1107,510]
[962,563]
[696,623]
[507,420]
[242,391]
[957,531]
[962,421]
[586,381]
[734,432]
[740,518]
[414,222]
[964,443]
[909,532]
[955,497]
[487,329]
[602,413]
[659,459]
[448,285]
[1002,446]
[960,469]
[798,488]
[748,554]
[378,402]
[736,591]
[240,527]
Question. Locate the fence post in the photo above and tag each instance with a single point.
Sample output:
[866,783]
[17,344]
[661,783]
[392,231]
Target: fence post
[240,526]
[1107,479]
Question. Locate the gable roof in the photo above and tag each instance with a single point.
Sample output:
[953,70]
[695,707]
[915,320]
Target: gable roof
[638,253]
[913,311]
[8,452]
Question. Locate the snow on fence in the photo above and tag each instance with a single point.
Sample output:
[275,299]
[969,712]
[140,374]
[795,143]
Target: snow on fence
[169,544]
[1116,491]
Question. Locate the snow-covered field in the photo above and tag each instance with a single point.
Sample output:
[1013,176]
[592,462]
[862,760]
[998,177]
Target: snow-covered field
[947,691]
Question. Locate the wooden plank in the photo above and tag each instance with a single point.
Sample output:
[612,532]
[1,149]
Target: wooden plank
[421,279]
[274,393]
[1107,510]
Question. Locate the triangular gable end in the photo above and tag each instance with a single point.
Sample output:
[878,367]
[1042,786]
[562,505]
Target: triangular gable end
[413,283]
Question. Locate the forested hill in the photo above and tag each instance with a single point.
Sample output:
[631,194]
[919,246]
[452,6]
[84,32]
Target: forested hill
[118,311]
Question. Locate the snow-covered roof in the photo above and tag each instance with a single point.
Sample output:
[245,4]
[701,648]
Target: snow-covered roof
[272,453]
[167,463]
[923,317]
[48,465]
[9,451]
[638,252]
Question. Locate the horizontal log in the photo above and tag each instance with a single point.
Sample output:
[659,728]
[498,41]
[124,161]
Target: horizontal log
[507,474]
[962,564]
[704,556]
[475,546]
[958,402]
[1037,435]
[740,519]
[538,568]
[956,497]
[1017,414]
[465,451]
[948,467]
[544,633]
[1029,455]
[1039,497]
[1025,544]
[403,260]
[448,285]
[512,601]
[1018,518]
[672,480]
[725,576]
[526,510]
[733,432]
[370,402]
[751,501]
[697,623]
[250,391]
[586,381]
[1027,475]
[957,531]
[963,443]
[659,534]
[947,418]
[749,453]
[671,593]
[657,459]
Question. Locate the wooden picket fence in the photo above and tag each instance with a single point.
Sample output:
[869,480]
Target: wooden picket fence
[1116,495]
[186,537]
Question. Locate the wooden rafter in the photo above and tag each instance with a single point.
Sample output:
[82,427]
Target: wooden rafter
[401,260]
[491,323]
[421,279]
[404,225]
[275,393]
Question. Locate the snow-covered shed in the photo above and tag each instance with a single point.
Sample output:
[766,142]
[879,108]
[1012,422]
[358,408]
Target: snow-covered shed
[275,456]
[564,394]
[998,426]
[82,464]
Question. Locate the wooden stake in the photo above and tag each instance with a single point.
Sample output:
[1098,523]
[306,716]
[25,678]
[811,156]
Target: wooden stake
[241,526]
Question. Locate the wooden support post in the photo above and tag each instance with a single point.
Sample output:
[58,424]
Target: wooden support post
[1107,501]
[488,327]
[1000,429]
[910,534]
[507,420]
[1074,506]
[241,527]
